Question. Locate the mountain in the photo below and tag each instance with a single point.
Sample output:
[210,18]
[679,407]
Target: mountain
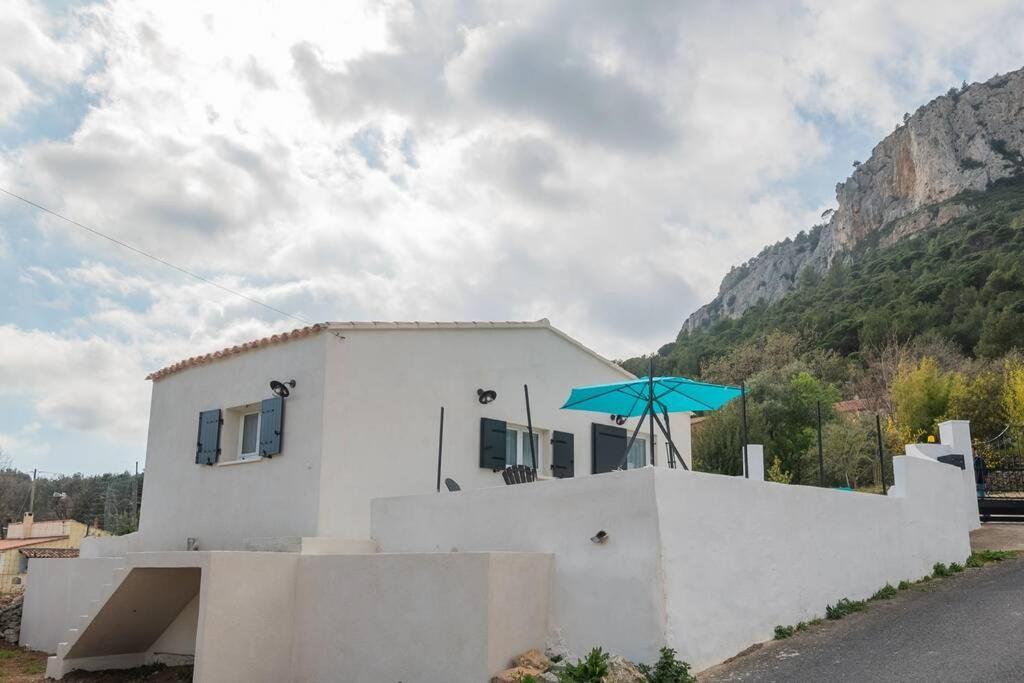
[928,237]
[962,141]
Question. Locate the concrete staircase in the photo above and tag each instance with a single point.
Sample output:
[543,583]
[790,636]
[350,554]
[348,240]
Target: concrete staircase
[122,623]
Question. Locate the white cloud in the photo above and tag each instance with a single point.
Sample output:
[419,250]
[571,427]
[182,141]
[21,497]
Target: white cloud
[598,163]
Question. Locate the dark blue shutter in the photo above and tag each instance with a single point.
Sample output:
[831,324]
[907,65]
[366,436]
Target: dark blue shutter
[492,443]
[563,461]
[208,438]
[271,426]
[608,447]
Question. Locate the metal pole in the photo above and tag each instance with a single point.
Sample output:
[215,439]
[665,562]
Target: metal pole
[743,405]
[32,494]
[440,443]
[529,426]
[672,450]
[821,454]
[650,406]
[629,444]
[881,456]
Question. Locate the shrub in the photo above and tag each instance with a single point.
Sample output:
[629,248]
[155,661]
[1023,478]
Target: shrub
[844,607]
[668,669]
[886,592]
[939,570]
[903,585]
[783,632]
[592,669]
[956,567]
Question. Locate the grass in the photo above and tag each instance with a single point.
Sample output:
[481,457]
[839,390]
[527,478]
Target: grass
[886,592]
[845,606]
[983,557]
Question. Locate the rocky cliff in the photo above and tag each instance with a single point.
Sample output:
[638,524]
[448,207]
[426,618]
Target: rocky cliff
[960,141]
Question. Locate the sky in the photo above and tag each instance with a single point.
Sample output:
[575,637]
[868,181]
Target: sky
[599,163]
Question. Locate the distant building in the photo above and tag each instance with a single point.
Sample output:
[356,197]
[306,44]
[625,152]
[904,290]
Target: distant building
[853,407]
[58,538]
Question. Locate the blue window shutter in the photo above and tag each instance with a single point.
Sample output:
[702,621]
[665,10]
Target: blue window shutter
[208,438]
[607,446]
[563,460]
[271,426]
[492,443]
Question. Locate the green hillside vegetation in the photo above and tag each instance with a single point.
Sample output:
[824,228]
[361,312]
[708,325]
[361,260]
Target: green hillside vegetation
[922,330]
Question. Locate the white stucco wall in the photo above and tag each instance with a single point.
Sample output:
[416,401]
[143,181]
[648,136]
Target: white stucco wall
[385,389]
[224,504]
[705,563]
[59,592]
[416,618]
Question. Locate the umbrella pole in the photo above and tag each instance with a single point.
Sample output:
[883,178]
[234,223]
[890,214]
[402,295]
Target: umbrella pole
[743,399]
[529,426]
[440,444]
[629,444]
[667,431]
[650,407]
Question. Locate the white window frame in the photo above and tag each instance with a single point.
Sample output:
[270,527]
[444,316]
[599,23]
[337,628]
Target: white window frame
[523,445]
[241,435]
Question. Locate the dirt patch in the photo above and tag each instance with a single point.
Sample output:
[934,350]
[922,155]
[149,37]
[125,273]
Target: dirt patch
[998,536]
[18,665]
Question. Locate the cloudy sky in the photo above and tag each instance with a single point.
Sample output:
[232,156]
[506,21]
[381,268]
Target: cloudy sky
[599,163]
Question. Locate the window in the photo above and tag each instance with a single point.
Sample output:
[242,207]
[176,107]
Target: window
[248,438]
[517,446]
[637,455]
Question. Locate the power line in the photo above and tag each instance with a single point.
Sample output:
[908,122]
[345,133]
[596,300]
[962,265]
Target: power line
[151,256]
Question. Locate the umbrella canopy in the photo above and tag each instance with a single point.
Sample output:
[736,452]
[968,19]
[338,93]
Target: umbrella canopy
[665,394]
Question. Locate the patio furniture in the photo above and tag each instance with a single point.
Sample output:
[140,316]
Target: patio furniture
[519,474]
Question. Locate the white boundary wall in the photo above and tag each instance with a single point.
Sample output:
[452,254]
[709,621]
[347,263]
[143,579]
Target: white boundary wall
[704,563]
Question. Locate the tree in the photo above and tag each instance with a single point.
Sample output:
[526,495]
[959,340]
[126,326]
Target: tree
[971,398]
[920,395]
[1013,391]
[849,450]
[775,473]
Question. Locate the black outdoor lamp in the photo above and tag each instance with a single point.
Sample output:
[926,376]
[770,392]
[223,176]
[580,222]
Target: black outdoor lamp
[282,388]
[486,396]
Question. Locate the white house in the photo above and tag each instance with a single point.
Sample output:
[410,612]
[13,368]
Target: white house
[303,539]
[361,422]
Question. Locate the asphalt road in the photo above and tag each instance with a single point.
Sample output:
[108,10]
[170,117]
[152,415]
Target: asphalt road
[969,627]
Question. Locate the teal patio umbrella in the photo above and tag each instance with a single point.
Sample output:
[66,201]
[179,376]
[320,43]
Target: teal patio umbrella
[648,396]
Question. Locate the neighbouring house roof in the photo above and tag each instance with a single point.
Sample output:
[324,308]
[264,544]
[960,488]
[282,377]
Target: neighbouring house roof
[13,543]
[49,553]
[340,327]
[854,405]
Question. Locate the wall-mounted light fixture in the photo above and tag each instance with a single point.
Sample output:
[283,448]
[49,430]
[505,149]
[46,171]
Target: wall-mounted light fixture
[281,388]
[600,537]
[618,419]
[486,396]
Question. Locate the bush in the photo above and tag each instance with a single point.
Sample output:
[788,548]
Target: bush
[593,669]
[903,585]
[886,592]
[844,607]
[939,570]
[668,669]
[783,632]
[956,567]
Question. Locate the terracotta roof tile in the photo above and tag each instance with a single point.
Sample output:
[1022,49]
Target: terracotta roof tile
[49,553]
[12,543]
[239,348]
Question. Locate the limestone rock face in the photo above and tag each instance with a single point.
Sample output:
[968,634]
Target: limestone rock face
[963,140]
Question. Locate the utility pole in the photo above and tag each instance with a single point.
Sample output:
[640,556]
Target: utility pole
[32,494]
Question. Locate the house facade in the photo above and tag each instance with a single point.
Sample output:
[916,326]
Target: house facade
[361,422]
[301,537]
[57,538]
